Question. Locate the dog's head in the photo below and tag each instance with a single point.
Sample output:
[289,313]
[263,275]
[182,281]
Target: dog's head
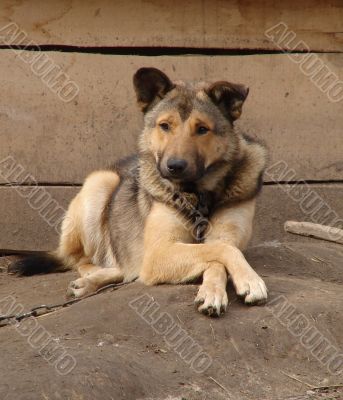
[188,127]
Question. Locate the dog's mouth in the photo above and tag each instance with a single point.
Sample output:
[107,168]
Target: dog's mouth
[184,178]
[178,170]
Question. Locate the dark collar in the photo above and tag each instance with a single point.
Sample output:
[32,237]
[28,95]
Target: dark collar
[197,208]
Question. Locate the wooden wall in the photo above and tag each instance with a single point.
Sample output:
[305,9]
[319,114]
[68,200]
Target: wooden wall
[99,45]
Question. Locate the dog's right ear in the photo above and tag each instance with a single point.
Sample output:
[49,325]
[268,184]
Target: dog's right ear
[151,85]
[229,97]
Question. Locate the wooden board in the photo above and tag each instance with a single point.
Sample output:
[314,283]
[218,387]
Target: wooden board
[25,228]
[207,24]
[61,142]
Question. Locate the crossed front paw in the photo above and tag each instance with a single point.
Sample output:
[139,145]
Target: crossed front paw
[211,300]
[251,287]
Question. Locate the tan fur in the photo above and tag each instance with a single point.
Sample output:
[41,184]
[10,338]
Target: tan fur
[183,142]
[85,237]
[169,253]
[93,278]
[130,223]
[212,297]
[170,256]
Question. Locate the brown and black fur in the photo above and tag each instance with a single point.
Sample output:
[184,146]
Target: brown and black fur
[139,218]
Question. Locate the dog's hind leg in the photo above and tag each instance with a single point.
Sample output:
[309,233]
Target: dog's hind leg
[88,269]
[92,279]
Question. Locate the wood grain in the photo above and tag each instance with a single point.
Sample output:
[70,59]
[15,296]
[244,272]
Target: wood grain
[61,142]
[218,24]
[24,228]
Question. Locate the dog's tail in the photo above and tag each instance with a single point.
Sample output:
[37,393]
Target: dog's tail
[42,263]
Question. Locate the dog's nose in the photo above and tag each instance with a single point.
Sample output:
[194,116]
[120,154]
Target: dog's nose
[176,166]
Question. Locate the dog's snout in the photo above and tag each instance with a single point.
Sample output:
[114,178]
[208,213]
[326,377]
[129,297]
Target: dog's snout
[176,166]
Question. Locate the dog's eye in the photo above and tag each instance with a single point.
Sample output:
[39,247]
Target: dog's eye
[165,126]
[202,130]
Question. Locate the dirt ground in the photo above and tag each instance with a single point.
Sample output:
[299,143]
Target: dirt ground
[251,351]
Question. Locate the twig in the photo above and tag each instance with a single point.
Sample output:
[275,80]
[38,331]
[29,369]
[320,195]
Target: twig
[327,387]
[177,316]
[213,334]
[220,385]
[296,379]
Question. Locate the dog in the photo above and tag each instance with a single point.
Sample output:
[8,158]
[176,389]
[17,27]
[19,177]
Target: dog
[180,209]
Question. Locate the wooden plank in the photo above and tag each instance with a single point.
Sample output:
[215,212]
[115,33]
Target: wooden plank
[207,24]
[61,142]
[28,222]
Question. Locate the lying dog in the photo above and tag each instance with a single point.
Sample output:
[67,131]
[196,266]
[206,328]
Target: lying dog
[181,209]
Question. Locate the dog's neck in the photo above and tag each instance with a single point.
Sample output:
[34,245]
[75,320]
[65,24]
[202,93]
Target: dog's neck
[224,185]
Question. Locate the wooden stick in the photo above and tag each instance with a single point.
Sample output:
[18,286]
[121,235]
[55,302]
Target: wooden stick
[315,230]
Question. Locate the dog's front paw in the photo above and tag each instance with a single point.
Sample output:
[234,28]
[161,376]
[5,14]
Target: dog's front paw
[211,300]
[79,288]
[251,287]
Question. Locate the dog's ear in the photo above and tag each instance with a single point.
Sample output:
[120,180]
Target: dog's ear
[151,85]
[229,97]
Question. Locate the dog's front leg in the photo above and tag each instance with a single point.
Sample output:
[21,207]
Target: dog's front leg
[212,296]
[231,225]
[180,262]
[168,258]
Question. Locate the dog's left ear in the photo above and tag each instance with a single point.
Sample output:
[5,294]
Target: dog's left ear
[229,97]
[151,85]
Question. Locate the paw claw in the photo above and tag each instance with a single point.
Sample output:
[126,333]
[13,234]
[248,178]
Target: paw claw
[252,288]
[79,288]
[199,301]
[70,294]
[211,300]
